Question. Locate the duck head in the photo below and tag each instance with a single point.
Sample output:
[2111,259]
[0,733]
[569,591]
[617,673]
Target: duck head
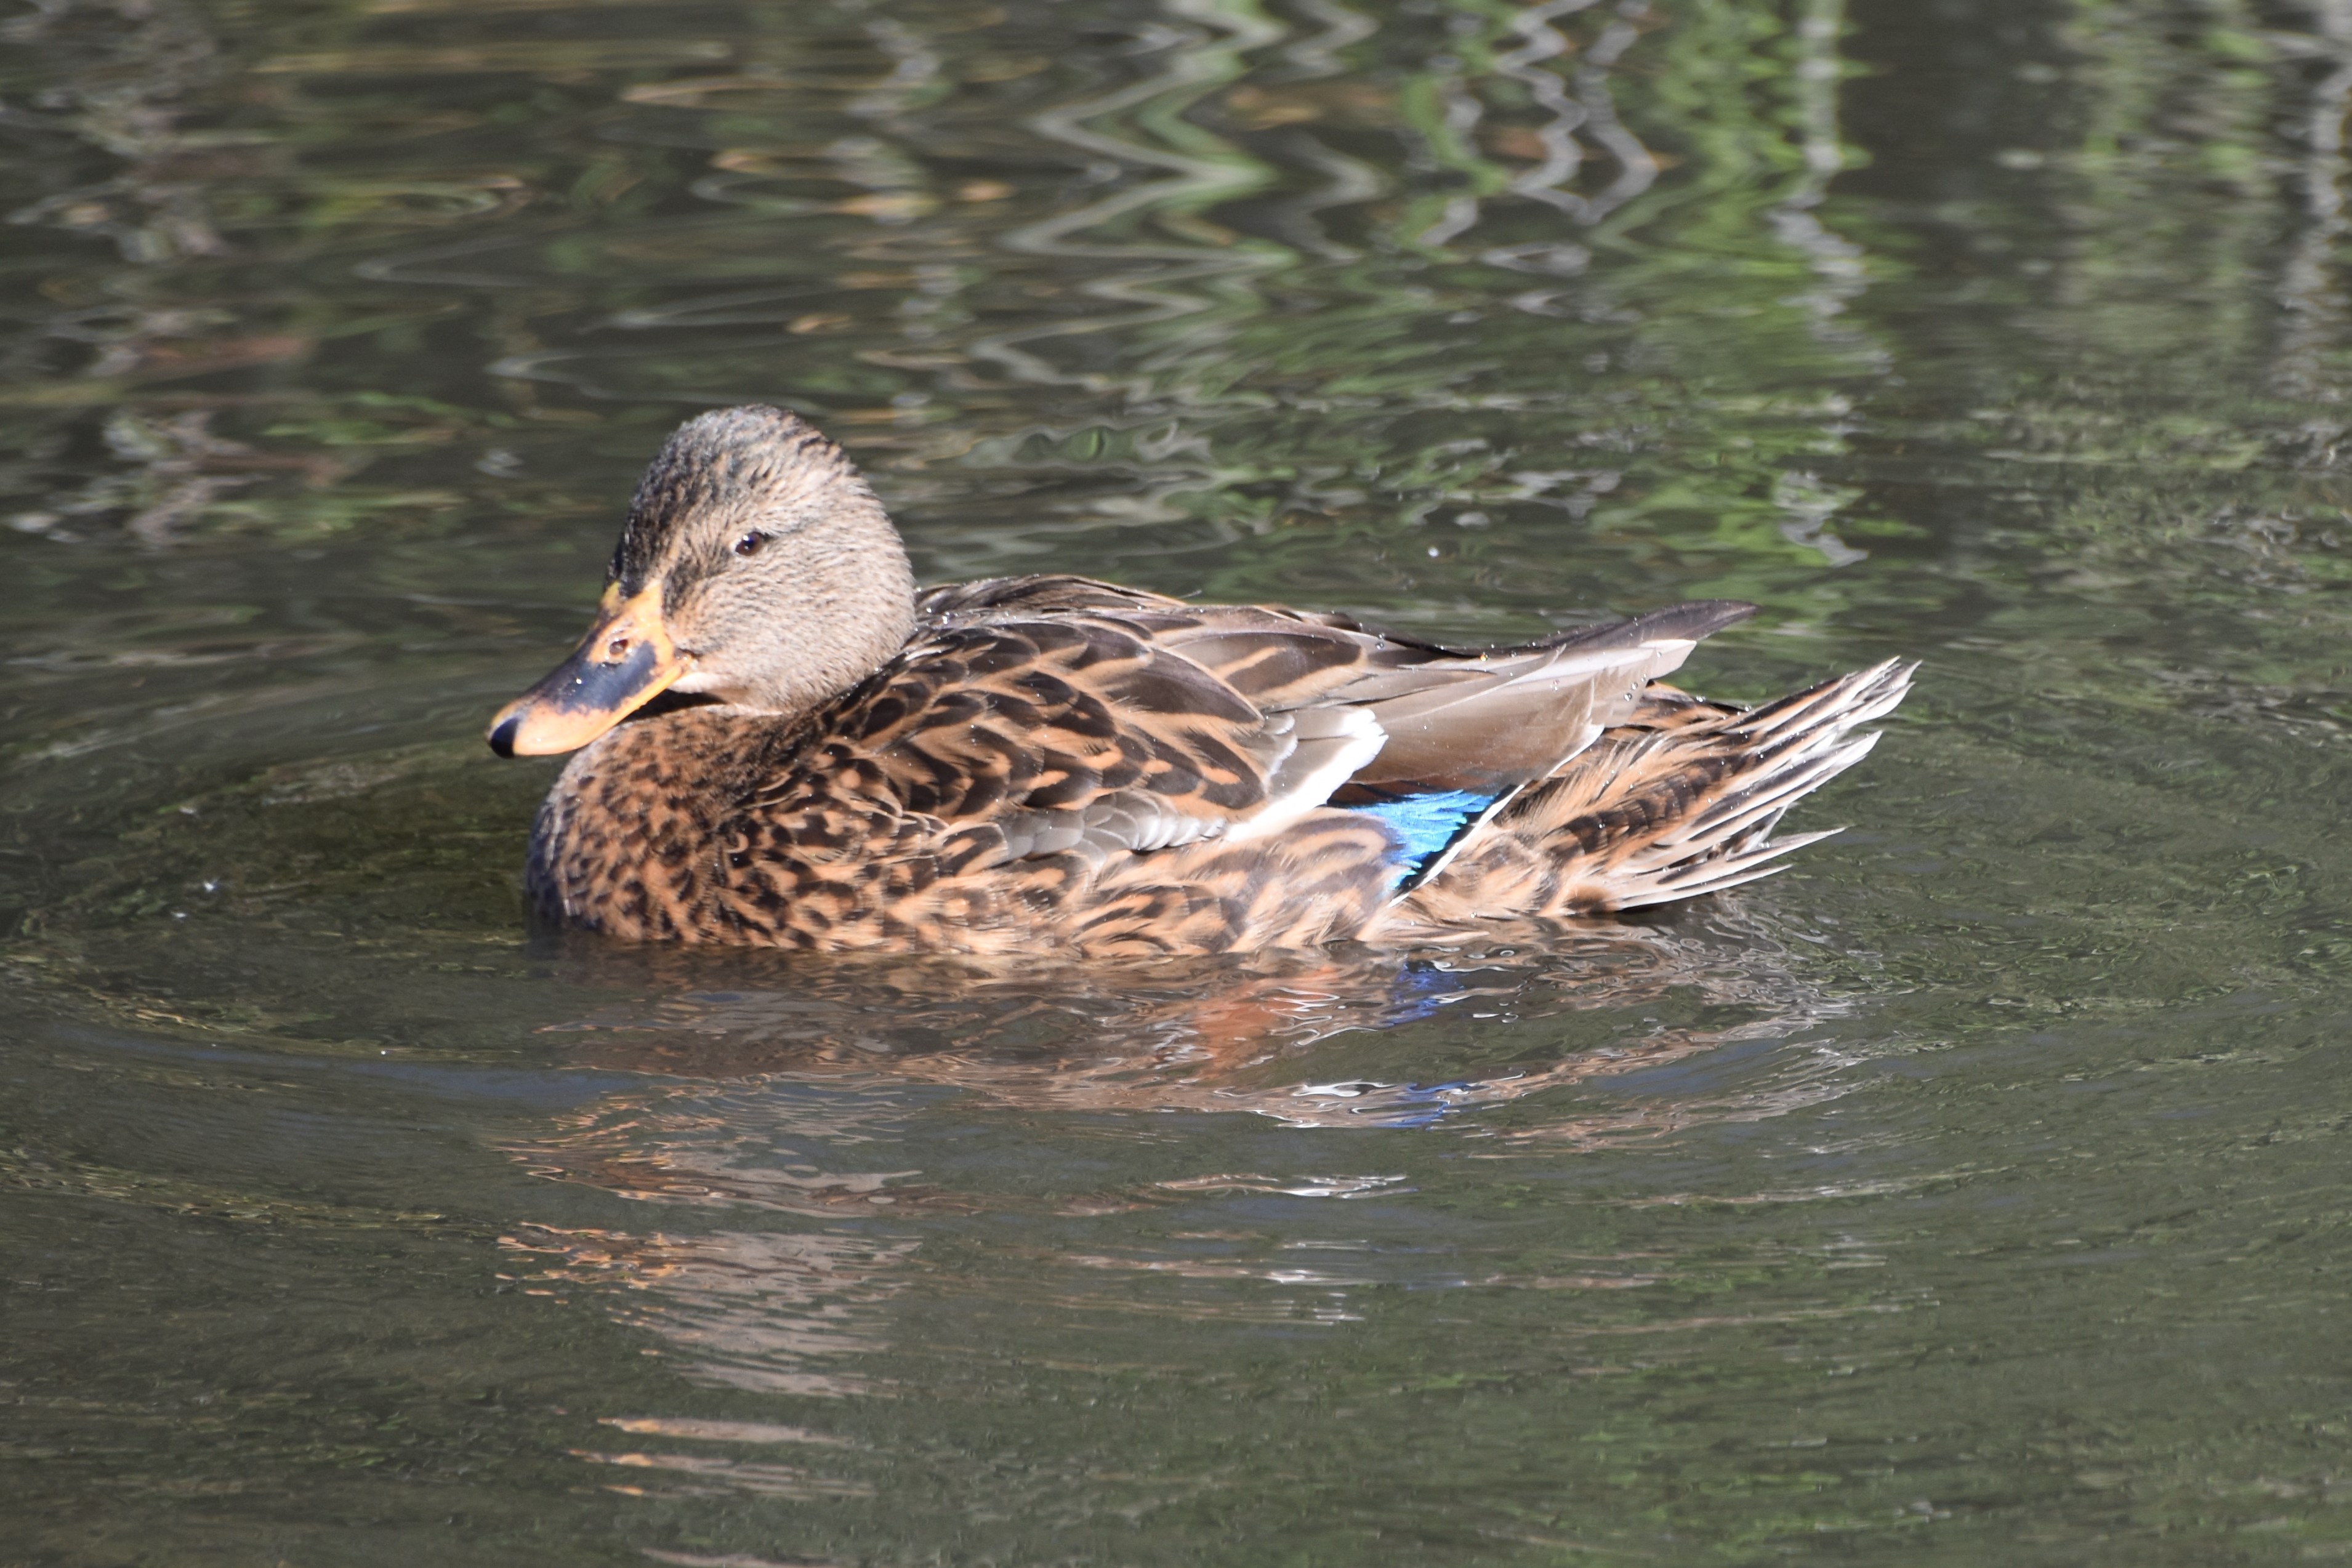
[756,569]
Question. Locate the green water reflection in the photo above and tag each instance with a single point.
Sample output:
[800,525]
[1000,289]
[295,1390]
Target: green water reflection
[1968,1195]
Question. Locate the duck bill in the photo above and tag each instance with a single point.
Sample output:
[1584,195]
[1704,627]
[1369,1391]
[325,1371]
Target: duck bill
[625,661]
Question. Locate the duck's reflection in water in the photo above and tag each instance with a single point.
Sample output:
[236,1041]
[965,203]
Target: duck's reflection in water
[783,1099]
[1192,1034]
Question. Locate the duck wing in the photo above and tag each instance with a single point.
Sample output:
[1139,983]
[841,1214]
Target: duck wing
[1458,721]
[1076,716]
[1073,730]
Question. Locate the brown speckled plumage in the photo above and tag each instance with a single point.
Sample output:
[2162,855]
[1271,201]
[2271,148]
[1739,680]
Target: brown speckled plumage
[1052,764]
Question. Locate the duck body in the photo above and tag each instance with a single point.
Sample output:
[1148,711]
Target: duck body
[1056,765]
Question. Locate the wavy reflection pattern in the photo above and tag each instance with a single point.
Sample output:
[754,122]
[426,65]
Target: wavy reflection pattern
[767,1117]
[1377,301]
[1158,278]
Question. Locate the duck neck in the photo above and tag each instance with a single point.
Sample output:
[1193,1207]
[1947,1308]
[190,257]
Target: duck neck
[628,841]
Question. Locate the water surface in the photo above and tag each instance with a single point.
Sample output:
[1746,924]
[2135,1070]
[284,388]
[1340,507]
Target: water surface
[1967,1194]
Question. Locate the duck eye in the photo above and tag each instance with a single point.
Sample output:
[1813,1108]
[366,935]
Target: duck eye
[749,544]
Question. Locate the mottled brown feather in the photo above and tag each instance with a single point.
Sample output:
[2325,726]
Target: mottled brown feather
[1037,764]
[895,816]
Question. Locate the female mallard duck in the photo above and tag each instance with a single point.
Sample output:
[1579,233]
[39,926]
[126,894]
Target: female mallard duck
[1034,763]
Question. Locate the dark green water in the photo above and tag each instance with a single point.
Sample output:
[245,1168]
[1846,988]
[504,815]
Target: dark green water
[1976,1193]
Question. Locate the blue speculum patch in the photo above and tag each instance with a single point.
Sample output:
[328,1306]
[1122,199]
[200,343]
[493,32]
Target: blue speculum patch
[1428,824]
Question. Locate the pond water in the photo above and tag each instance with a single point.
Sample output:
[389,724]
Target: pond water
[1975,1192]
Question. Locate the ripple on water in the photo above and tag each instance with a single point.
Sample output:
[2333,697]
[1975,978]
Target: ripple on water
[1967,1194]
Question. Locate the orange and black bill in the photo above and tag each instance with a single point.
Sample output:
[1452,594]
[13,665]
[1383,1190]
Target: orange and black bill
[625,660]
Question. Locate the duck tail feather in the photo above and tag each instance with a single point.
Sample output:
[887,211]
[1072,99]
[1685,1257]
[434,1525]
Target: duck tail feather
[1676,622]
[1649,818]
[1723,871]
